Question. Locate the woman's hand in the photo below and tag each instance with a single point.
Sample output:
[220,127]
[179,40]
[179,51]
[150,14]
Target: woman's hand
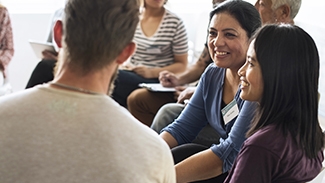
[168,79]
[185,94]
[49,55]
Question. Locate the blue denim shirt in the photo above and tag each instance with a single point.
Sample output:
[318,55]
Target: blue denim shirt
[205,107]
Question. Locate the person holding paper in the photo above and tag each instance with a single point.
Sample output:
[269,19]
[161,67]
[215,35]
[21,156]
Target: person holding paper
[162,44]
[144,105]
[6,41]
[44,70]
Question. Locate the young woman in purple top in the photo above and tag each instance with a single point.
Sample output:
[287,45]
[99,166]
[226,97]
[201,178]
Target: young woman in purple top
[285,141]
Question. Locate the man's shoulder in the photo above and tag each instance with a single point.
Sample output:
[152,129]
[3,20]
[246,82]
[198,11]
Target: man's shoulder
[17,96]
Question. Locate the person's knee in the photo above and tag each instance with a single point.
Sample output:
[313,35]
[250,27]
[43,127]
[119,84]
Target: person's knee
[172,109]
[135,99]
[166,115]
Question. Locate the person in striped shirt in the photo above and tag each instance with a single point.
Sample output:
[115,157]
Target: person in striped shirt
[140,102]
[162,44]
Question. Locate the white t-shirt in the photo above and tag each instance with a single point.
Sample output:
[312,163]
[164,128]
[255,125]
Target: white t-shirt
[52,135]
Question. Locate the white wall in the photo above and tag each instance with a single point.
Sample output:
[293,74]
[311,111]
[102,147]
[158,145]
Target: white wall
[25,27]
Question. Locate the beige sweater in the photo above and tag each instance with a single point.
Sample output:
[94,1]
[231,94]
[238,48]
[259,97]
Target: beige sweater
[49,135]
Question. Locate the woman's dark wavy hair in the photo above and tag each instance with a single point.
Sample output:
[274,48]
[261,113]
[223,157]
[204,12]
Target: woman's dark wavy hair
[289,62]
[244,12]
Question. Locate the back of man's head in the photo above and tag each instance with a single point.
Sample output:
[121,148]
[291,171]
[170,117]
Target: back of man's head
[96,31]
[293,4]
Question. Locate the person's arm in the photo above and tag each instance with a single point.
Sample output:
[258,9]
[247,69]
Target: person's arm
[179,65]
[229,148]
[208,163]
[191,120]
[194,72]
[49,55]
[179,46]
[6,40]
[200,166]
[169,139]
[185,94]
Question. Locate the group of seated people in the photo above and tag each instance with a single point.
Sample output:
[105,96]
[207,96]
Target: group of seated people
[252,117]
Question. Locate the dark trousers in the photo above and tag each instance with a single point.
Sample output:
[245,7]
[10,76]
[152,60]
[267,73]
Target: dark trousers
[42,73]
[125,83]
[186,150]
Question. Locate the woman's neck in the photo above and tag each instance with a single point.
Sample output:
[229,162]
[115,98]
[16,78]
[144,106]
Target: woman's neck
[230,87]
[232,77]
[153,12]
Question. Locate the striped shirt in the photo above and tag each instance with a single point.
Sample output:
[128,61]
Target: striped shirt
[158,50]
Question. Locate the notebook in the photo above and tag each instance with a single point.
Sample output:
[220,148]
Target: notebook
[157,87]
[38,47]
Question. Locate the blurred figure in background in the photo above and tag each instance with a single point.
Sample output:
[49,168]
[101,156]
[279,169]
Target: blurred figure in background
[6,49]
[278,11]
[162,44]
[44,70]
[140,102]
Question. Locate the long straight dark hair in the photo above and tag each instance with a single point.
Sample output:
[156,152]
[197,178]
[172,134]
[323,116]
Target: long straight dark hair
[289,63]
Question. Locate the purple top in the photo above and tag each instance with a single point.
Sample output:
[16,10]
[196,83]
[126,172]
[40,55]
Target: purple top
[269,156]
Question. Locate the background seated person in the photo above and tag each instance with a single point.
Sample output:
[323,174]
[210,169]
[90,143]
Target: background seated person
[144,104]
[161,41]
[44,70]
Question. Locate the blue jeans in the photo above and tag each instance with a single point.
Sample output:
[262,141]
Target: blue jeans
[125,83]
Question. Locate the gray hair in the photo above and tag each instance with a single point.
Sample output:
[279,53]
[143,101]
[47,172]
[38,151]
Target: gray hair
[293,4]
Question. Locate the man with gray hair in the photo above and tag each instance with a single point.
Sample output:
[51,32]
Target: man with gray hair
[69,130]
[278,11]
